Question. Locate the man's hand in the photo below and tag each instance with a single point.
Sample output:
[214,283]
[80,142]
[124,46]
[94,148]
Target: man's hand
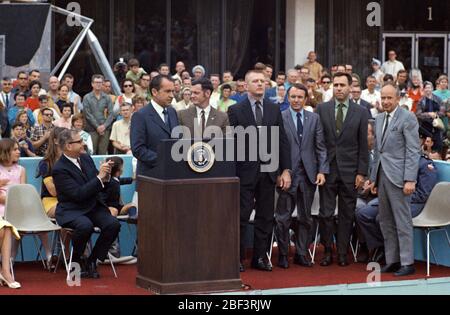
[409,188]
[359,182]
[373,189]
[101,129]
[285,181]
[105,171]
[320,181]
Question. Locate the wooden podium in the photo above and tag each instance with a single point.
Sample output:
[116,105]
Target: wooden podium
[188,228]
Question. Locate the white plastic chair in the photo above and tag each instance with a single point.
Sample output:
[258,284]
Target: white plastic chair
[24,210]
[435,216]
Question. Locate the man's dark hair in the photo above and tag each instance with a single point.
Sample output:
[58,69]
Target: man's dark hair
[118,162]
[21,72]
[67,75]
[326,76]
[46,109]
[157,81]
[298,86]
[344,74]
[205,83]
[34,70]
[20,94]
[310,80]
[281,73]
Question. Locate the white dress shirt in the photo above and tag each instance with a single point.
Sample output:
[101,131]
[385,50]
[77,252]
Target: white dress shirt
[77,164]
[199,115]
[159,109]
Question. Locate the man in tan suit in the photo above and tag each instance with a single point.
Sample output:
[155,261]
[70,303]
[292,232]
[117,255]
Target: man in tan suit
[202,115]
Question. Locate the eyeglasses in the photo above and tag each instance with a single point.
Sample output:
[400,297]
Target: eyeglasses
[6,84]
[125,86]
[78,141]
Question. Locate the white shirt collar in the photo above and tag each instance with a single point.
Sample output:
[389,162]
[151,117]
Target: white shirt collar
[392,114]
[207,110]
[74,161]
[159,109]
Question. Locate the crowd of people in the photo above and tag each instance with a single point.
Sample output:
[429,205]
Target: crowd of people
[333,123]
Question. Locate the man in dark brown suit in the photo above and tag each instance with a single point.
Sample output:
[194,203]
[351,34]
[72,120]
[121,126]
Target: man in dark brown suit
[202,115]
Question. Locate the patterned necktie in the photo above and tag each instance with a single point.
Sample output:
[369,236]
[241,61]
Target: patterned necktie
[258,114]
[340,118]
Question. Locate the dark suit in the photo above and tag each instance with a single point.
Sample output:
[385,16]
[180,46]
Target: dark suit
[187,118]
[308,160]
[80,207]
[147,130]
[366,105]
[347,157]
[111,194]
[257,188]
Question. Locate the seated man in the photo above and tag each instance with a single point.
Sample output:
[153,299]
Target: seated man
[78,185]
[366,217]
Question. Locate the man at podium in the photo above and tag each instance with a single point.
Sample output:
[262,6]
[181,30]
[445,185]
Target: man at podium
[152,124]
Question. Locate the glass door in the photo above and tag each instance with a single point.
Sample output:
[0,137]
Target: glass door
[431,56]
[403,44]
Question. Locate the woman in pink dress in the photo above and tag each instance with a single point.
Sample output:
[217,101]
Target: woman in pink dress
[11,173]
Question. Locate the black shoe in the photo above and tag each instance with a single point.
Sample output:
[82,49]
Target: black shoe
[390,268]
[405,271]
[302,261]
[283,262]
[92,270]
[327,258]
[342,260]
[261,264]
[241,267]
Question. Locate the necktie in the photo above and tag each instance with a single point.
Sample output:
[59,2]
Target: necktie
[258,114]
[203,121]
[386,126]
[340,118]
[7,100]
[166,117]
[79,164]
[299,128]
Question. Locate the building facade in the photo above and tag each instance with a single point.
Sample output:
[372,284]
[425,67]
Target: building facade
[235,34]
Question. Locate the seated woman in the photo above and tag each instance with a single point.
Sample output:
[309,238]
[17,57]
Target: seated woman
[14,174]
[6,233]
[48,191]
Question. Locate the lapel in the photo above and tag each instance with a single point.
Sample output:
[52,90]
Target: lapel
[212,117]
[350,115]
[248,113]
[73,167]
[332,117]
[192,115]
[391,127]
[291,125]
[157,119]
[266,109]
[306,125]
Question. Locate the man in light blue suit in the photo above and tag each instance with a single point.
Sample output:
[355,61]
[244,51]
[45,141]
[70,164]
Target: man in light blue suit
[396,165]
[152,124]
[309,166]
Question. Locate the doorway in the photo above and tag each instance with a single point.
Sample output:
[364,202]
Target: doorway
[428,52]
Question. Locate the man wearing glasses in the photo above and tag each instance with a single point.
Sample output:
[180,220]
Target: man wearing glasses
[327,91]
[98,109]
[22,84]
[6,96]
[41,133]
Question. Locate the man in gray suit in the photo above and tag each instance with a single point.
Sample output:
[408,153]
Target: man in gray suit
[309,166]
[397,154]
[202,115]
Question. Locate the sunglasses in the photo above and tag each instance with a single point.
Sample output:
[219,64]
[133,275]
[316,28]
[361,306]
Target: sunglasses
[78,141]
[326,82]
[125,86]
